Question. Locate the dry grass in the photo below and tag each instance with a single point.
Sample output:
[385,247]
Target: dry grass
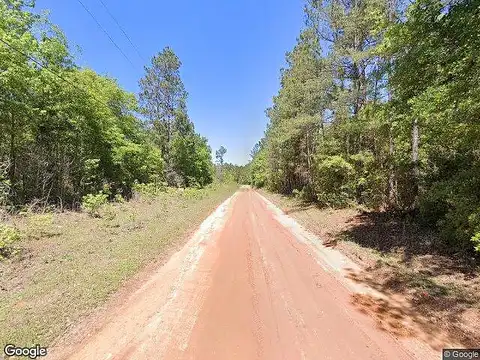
[71,263]
[432,295]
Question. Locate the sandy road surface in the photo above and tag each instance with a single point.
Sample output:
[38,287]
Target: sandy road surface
[244,287]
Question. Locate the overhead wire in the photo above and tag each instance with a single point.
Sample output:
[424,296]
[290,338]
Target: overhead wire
[105,32]
[31,58]
[122,30]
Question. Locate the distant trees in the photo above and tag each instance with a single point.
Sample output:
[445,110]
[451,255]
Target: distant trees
[236,173]
[66,131]
[377,106]
[219,154]
[227,172]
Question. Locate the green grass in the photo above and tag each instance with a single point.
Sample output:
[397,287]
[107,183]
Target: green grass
[70,267]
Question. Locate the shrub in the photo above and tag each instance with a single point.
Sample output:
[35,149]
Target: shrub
[107,212]
[474,222]
[370,181]
[476,242]
[192,193]
[305,194]
[92,203]
[4,184]
[40,225]
[333,182]
[150,190]
[8,236]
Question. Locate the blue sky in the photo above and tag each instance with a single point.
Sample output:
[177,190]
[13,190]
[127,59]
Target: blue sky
[231,50]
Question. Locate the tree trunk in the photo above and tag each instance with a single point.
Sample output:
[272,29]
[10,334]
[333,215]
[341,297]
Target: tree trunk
[415,168]
[12,156]
[391,168]
[391,148]
[309,163]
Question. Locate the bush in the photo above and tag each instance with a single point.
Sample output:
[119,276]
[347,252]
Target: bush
[151,189]
[4,184]
[370,184]
[459,227]
[333,181]
[107,212]
[305,194]
[476,242]
[40,225]
[8,236]
[452,207]
[192,193]
[91,203]
[474,222]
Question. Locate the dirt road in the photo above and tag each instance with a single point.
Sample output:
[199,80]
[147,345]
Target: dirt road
[244,287]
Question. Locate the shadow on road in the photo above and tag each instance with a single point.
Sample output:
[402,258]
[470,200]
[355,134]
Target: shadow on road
[436,319]
[431,295]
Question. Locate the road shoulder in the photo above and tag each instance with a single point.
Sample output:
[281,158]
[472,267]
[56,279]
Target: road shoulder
[394,312]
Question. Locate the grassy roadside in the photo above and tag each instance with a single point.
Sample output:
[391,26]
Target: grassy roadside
[432,295]
[70,263]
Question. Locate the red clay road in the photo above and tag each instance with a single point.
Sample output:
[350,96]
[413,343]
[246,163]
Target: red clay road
[251,290]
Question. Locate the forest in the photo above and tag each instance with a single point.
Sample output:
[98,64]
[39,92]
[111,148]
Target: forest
[69,134]
[379,106]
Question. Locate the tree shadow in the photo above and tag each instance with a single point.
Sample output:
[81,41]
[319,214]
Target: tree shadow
[415,306]
[292,204]
[390,232]
[383,232]
[302,206]
[428,292]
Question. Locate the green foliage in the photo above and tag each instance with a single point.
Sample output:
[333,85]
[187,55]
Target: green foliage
[235,174]
[4,185]
[474,228]
[150,190]
[163,96]
[92,203]
[163,101]
[192,158]
[191,193]
[476,241]
[334,181]
[369,182]
[219,154]
[107,212]
[8,237]
[258,167]
[40,225]
[63,139]
[386,116]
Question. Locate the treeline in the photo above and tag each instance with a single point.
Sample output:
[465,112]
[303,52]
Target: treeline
[380,105]
[66,131]
[232,173]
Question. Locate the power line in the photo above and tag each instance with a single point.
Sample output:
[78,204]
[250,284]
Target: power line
[31,58]
[122,30]
[106,33]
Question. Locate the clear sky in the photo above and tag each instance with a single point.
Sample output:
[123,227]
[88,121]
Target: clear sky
[231,51]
